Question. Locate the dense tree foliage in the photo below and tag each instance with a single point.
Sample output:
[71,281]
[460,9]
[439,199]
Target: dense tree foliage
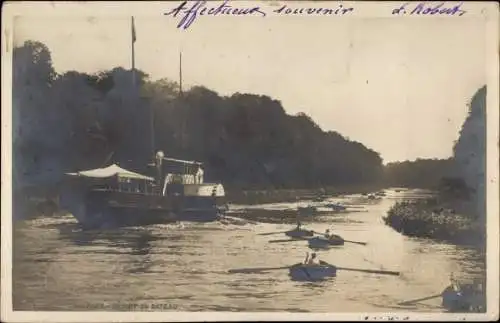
[421,173]
[464,171]
[470,153]
[71,121]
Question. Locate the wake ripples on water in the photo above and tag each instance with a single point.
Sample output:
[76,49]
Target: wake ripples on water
[183,266]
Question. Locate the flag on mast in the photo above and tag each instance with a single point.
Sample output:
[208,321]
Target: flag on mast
[133,30]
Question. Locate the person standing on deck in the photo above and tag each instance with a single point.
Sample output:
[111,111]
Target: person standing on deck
[199,176]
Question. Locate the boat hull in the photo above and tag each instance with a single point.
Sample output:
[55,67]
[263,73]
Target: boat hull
[461,301]
[323,243]
[336,207]
[299,233]
[301,272]
[105,209]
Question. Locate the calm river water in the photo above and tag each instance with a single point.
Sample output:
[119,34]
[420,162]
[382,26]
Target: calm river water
[183,267]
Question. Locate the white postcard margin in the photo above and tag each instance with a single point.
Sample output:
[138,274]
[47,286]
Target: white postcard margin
[487,10]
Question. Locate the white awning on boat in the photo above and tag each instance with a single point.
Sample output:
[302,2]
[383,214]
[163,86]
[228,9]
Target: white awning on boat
[112,170]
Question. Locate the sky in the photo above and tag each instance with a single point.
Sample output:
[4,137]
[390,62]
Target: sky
[400,87]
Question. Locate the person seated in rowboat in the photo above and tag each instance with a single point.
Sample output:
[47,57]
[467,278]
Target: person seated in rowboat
[311,261]
[327,234]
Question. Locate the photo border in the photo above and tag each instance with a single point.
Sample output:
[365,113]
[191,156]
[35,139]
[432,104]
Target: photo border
[488,10]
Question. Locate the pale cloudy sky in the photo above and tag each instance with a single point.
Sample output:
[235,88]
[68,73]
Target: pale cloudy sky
[398,86]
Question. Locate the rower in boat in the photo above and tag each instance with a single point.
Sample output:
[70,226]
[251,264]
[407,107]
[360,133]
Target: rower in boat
[464,297]
[328,234]
[311,261]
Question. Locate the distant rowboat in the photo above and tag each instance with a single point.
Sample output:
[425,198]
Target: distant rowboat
[302,272]
[336,206]
[324,243]
[299,233]
[306,211]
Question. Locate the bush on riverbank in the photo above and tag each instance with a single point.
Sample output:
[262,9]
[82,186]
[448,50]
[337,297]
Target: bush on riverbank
[428,219]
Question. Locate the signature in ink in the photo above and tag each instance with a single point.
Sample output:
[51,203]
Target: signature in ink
[199,8]
[430,10]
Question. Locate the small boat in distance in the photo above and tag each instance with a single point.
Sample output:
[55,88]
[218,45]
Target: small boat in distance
[306,210]
[324,243]
[336,207]
[299,233]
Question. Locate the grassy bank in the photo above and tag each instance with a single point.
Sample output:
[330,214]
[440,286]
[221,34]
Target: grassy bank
[429,219]
[241,196]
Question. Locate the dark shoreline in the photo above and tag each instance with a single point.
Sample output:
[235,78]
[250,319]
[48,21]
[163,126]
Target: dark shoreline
[255,196]
[429,219]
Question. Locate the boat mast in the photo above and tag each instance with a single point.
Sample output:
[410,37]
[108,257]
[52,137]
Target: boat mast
[135,90]
[180,99]
[180,73]
[133,52]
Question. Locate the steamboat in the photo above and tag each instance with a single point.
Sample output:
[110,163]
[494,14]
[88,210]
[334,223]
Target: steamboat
[114,196]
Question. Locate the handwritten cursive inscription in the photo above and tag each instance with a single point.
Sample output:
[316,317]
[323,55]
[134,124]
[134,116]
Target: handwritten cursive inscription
[429,9]
[199,8]
[340,10]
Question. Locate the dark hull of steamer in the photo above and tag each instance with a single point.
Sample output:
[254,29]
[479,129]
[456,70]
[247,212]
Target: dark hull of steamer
[99,209]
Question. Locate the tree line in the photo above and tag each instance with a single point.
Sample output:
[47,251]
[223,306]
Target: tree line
[464,171]
[74,121]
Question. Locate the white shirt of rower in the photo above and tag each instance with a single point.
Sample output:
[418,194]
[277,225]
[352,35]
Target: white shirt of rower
[312,260]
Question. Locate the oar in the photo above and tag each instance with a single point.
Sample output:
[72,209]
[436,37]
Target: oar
[255,270]
[270,233]
[420,299]
[284,240]
[357,242]
[370,271]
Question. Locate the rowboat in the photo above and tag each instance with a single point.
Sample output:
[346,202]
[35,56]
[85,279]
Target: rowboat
[299,233]
[306,210]
[336,206]
[302,272]
[323,243]
[463,299]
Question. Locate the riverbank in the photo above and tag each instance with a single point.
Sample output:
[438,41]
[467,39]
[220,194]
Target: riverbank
[428,218]
[240,196]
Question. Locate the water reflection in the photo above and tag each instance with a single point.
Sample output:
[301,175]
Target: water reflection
[185,265]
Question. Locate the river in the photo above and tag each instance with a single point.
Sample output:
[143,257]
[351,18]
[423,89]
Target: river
[183,266]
